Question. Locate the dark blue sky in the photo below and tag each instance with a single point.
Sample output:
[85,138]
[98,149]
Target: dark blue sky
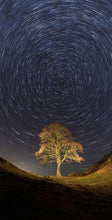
[55,65]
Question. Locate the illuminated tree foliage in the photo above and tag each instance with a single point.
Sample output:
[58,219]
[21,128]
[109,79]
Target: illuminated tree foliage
[58,145]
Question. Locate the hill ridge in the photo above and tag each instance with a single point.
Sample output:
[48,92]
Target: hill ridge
[5,163]
[105,160]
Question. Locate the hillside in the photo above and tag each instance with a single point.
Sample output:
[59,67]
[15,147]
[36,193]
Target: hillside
[26,196]
[106,161]
[7,167]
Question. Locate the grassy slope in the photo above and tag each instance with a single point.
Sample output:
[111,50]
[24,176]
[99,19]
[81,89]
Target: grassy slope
[27,196]
[105,161]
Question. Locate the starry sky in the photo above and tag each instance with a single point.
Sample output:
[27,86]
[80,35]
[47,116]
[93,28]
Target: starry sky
[55,66]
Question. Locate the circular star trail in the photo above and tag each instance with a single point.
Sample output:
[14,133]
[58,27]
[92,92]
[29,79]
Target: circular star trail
[56,65]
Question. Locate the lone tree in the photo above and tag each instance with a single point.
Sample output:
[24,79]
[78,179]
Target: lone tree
[58,145]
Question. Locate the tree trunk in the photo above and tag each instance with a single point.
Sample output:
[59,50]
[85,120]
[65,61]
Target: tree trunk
[58,170]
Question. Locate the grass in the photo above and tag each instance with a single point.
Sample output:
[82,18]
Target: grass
[98,178]
[26,196]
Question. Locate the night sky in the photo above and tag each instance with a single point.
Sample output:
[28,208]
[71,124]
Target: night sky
[55,66]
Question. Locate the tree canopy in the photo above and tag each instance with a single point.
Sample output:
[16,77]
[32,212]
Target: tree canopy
[57,145]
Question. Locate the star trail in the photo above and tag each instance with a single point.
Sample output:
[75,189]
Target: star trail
[55,66]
